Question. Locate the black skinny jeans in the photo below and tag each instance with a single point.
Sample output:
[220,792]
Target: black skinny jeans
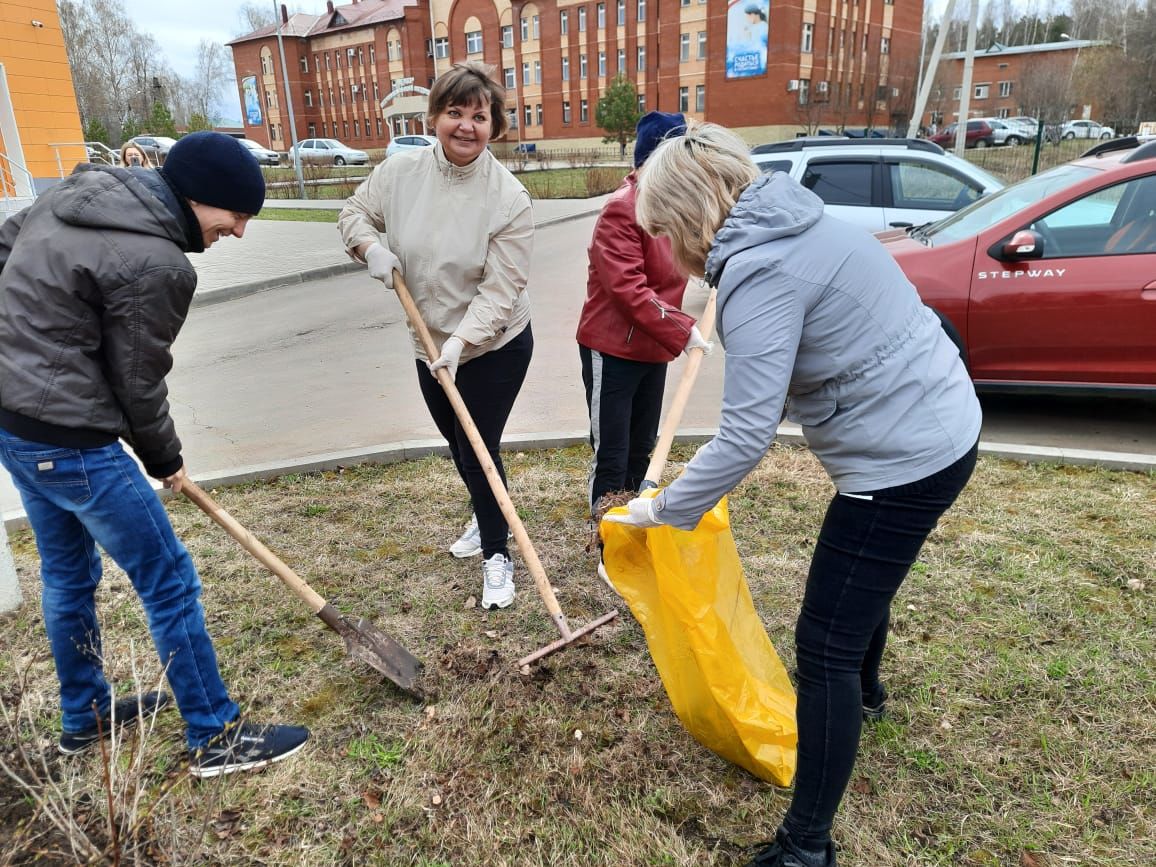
[864,552]
[488,384]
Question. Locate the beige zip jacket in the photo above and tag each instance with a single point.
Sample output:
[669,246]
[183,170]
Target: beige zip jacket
[463,235]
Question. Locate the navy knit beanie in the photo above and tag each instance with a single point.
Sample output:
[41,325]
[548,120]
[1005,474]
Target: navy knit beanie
[653,127]
[215,169]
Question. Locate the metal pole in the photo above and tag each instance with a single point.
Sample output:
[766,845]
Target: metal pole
[965,89]
[289,100]
[929,75]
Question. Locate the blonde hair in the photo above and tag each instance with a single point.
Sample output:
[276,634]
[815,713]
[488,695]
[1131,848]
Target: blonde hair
[688,186]
[130,146]
[469,83]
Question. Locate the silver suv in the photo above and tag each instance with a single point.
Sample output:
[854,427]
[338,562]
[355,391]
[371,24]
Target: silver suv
[881,183]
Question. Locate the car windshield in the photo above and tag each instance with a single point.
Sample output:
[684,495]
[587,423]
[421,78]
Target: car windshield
[165,140]
[989,210]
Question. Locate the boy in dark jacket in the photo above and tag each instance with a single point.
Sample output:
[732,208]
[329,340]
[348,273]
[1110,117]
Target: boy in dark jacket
[94,287]
[631,327]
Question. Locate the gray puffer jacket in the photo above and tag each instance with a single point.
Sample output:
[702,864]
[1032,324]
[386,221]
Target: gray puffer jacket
[815,314]
[94,286]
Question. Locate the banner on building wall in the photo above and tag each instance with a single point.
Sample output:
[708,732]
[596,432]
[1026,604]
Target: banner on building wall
[747,33]
[252,100]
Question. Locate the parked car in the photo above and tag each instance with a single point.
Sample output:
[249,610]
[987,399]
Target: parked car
[264,156]
[979,134]
[1086,129]
[101,153]
[1004,133]
[1049,283]
[328,151]
[409,143]
[879,183]
[155,147]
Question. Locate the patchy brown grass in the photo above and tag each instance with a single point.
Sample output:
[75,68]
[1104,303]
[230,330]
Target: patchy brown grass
[1021,671]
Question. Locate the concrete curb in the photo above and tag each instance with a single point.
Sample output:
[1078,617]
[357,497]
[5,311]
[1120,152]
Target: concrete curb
[243,290]
[409,450]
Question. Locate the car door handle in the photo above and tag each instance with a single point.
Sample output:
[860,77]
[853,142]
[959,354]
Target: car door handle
[1148,293]
[900,225]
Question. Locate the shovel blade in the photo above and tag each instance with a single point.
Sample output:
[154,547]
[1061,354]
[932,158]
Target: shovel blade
[366,642]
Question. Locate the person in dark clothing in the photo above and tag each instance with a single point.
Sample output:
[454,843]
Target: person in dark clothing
[630,328]
[94,287]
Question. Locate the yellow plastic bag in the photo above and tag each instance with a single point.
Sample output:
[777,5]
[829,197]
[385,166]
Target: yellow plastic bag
[719,668]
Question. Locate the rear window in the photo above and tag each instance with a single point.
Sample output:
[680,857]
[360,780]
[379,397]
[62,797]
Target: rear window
[775,166]
[838,183]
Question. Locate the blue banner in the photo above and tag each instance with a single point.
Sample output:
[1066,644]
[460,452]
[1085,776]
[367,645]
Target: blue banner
[747,32]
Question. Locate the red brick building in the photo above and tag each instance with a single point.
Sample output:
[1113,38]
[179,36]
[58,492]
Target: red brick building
[767,69]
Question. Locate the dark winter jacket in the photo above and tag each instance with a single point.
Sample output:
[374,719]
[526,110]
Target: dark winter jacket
[94,286]
[634,290]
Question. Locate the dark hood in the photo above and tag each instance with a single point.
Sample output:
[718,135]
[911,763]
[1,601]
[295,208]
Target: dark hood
[773,206]
[131,200]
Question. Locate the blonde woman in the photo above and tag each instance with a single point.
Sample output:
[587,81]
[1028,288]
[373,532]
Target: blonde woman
[815,315]
[459,228]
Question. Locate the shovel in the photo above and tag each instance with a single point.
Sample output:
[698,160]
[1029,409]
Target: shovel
[533,564]
[363,640]
[681,396]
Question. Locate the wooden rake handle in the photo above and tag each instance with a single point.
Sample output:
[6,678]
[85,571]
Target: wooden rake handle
[533,564]
[253,545]
[681,397]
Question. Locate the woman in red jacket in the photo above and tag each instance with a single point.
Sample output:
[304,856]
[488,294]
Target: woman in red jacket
[631,327]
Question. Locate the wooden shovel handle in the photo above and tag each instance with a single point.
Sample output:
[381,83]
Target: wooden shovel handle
[253,545]
[533,564]
[678,403]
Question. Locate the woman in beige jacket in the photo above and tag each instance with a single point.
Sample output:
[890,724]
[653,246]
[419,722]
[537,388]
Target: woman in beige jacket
[458,226]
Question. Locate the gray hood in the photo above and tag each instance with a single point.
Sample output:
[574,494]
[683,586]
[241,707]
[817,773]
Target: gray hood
[774,206]
[130,200]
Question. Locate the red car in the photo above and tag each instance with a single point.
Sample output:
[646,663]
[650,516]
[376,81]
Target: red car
[1050,283]
[979,135]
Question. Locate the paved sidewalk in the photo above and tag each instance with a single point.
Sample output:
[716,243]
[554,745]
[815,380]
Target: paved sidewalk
[281,252]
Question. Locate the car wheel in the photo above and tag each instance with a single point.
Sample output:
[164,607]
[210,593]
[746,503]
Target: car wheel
[1014,141]
[981,143]
[339,161]
[1105,136]
[953,335]
[1068,136]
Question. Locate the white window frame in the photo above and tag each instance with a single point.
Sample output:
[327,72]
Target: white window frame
[582,67]
[982,91]
[702,45]
[600,9]
[684,99]
[507,35]
[684,48]
[474,38]
[641,10]
[525,72]
[525,25]
[700,97]
[581,19]
[511,77]
[601,64]
[564,21]
[566,111]
[583,111]
[1005,89]
[640,65]
[565,68]
[808,43]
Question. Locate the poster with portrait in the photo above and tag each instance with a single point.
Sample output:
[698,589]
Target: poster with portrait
[747,33]
[252,100]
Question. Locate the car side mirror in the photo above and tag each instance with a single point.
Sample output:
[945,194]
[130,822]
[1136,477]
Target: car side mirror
[1024,244]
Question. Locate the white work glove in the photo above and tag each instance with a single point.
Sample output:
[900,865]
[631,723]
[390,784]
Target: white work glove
[381,262]
[640,512]
[451,355]
[696,341]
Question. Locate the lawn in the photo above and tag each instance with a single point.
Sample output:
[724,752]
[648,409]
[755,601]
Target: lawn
[1021,669]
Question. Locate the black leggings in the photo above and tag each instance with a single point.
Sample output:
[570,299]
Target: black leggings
[865,549]
[488,384]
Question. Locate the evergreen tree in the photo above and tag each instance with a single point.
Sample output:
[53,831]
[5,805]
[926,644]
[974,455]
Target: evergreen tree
[129,128]
[94,131]
[617,112]
[161,121]
[198,121]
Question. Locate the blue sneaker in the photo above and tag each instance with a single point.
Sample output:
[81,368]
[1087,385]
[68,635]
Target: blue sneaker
[245,746]
[123,714]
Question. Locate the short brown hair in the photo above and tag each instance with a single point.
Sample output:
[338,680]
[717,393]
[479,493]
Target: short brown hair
[470,83]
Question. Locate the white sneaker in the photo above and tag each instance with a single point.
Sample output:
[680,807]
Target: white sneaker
[469,544]
[603,574]
[497,582]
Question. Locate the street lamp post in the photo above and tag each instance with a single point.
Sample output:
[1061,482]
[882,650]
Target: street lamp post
[282,14]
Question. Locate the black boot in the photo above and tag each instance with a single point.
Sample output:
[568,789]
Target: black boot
[784,853]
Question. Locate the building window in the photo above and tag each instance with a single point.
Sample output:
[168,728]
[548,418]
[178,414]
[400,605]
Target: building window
[566,111]
[525,29]
[304,63]
[683,47]
[526,116]
[621,13]
[702,45]
[442,47]
[1003,112]
[565,68]
[350,53]
[538,113]
[309,99]
[642,58]
[581,19]
[684,99]
[601,9]
[583,111]
[511,78]
[526,72]
[641,10]
[373,53]
[564,21]
[1005,89]
[361,54]
[956,94]
[317,63]
[621,69]
[601,64]
[379,127]
[981,91]
[804,91]
[537,72]
[507,35]
[312,130]
[700,97]
[582,66]
[808,38]
[535,31]
[393,49]
[642,102]
[357,129]
[266,63]
[885,45]
[474,42]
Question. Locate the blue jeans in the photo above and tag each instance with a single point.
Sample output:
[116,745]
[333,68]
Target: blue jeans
[865,550]
[77,499]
